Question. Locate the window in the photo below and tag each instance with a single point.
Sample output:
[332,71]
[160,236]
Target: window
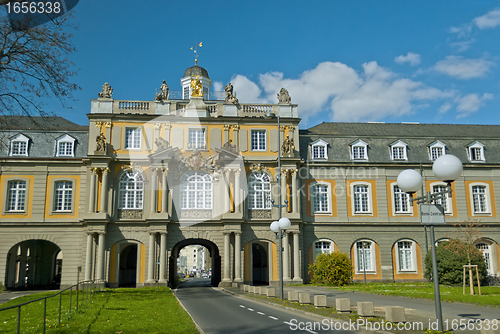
[436,149]
[486,250]
[405,255]
[322,247]
[359,150]
[320,200]
[19,145]
[131,191]
[398,150]
[361,199]
[476,152]
[16,195]
[364,256]
[133,138]
[259,191]
[479,199]
[444,202]
[258,140]
[319,150]
[196,140]
[196,191]
[186,93]
[401,201]
[65,146]
[63,196]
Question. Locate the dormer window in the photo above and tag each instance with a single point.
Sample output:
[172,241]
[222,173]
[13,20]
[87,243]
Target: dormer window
[359,150]
[436,149]
[65,146]
[319,150]
[476,151]
[398,150]
[19,145]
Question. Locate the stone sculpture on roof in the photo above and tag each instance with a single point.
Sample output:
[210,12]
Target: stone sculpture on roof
[107,91]
[284,97]
[163,95]
[196,87]
[161,144]
[230,97]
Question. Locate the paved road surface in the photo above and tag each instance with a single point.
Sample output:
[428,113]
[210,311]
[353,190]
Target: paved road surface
[217,312]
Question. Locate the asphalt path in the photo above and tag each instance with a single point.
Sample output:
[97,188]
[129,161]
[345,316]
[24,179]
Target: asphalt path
[220,313]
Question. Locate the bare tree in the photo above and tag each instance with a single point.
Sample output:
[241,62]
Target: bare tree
[34,64]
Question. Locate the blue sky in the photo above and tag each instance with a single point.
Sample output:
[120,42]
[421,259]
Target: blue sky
[388,61]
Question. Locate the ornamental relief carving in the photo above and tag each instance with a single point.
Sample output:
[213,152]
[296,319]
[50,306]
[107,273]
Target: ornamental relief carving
[129,214]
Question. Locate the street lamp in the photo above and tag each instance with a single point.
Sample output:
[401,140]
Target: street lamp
[283,223]
[447,168]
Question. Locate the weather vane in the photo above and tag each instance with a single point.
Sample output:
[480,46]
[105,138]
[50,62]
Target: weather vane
[195,50]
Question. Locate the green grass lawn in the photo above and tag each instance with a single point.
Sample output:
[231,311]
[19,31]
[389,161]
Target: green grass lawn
[119,311]
[490,295]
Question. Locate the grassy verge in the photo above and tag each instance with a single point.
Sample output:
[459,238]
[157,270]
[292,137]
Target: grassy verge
[110,311]
[490,295]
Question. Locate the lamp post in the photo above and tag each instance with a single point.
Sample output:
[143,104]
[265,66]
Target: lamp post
[447,168]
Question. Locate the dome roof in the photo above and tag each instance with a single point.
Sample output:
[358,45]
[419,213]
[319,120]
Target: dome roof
[196,70]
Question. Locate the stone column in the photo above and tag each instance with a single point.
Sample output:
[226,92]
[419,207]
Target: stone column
[104,190]
[227,267]
[92,190]
[164,191]
[157,127]
[296,257]
[226,132]
[284,173]
[286,257]
[227,187]
[100,258]
[168,127]
[236,132]
[282,136]
[237,191]
[295,195]
[153,183]
[237,257]
[163,257]
[88,257]
[151,258]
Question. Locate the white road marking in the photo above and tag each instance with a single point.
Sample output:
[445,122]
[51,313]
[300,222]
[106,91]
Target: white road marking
[274,318]
[261,313]
[250,309]
[242,306]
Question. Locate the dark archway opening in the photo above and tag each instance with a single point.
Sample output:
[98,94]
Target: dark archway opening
[214,255]
[260,268]
[34,264]
[128,267]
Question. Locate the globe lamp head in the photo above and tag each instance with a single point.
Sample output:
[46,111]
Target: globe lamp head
[447,168]
[409,181]
[275,227]
[285,223]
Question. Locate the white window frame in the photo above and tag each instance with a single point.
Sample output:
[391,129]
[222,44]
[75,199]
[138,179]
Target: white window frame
[319,145]
[354,196]
[400,196]
[259,197]
[402,148]
[136,131]
[66,196]
[258,148]
[196,191]
[436,145]
[19,139]
[17,194]
[363,149]
[66,139]
[447,200]
[131,190]
[472,148]
[372,258]
[197,142]
[327,191]
[485,247]
[413,256]
[326,246]
[487,198]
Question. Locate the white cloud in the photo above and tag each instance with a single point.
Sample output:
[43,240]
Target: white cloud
[444,108]
[412,58]
[461,68]
[218,86]
[347,95]
[489,20]
[462,31]
[463,45]
[470,103]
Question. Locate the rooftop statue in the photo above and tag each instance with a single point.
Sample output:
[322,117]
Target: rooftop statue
[163,96]
[230,98]
[284,97]
[196,88]
[161,144]
[107,91]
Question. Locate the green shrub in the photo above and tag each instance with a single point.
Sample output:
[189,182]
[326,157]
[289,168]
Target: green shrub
[451,256]
[2,288]
[331,269]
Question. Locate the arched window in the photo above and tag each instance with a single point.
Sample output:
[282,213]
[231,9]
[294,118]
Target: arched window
[259,191]
[131,192]
[365,256]
[196,191]
[322,246]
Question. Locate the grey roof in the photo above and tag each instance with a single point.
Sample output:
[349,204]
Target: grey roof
[398,130]
[45,123]
[196,70]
